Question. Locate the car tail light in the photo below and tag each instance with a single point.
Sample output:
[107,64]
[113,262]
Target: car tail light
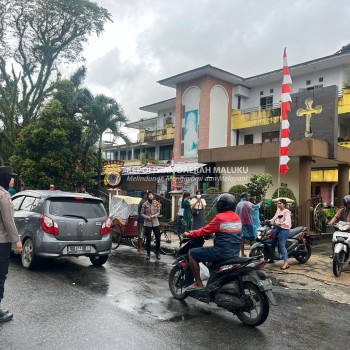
[49,226]
[106,227]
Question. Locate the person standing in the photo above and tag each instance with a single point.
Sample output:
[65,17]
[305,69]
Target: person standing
[256,215]
[245,211]
[198,211]
[8,235]
[180,215]
[283,222]
[186,205]
[12,190]
[140,222]
[150,211]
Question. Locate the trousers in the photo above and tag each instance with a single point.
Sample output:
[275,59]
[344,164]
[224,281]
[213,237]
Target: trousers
[148,233]
[5,251]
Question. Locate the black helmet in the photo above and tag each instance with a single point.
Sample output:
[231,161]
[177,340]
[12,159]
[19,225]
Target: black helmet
[346,200]
[226,202]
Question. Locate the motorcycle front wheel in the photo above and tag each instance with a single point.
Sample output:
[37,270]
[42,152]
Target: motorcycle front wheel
[177,283]
[338,262]
[257,252]
[257,306]
[303,255]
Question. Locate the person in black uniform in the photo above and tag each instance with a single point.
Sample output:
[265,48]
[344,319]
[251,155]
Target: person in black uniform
[8,235]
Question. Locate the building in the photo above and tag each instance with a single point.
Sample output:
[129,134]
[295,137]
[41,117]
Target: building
[231,124]
[147,162]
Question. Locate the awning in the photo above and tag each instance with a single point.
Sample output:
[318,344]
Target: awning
[178,168]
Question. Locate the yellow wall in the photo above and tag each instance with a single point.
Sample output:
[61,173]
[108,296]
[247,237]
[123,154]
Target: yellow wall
[267,116]
[329,175]
[157,135]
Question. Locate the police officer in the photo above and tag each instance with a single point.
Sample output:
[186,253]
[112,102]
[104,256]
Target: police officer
[8,234]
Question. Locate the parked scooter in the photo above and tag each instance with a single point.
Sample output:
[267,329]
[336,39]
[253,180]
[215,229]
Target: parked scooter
[341,243]
[298,243]
[237,285]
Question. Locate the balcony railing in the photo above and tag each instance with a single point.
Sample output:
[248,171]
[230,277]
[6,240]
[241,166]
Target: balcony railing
[276,107]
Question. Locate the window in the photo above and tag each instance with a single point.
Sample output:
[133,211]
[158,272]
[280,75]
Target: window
[308,82]
[86,208]
[136,154]
[182,149]
[17,202]
[320,86]
[150,153]
[28,203]
[320,80]
[170,113]
[270,136]
[123,155]
[165,152]
[261,93]
[266,102]
[271,91]
[239,102]
[248,139]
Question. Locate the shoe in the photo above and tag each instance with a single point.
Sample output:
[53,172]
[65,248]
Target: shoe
[193,288]
[148,257]
[158,257]
[285,267]
[5,316]
[270,261]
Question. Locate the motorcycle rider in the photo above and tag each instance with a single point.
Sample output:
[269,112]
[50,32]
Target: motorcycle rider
[343,214]
[227,227]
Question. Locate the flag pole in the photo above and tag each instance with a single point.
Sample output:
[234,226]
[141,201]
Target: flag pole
[284,130]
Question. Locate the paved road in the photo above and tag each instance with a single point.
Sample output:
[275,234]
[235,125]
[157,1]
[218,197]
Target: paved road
[68,304]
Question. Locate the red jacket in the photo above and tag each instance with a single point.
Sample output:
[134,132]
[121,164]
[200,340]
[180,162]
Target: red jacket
[227,227]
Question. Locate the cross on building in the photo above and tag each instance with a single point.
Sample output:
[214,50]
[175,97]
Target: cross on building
[308,114]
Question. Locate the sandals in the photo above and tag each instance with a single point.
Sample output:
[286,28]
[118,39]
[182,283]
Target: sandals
[285,267]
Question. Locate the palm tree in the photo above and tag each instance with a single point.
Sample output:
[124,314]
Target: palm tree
[103,113]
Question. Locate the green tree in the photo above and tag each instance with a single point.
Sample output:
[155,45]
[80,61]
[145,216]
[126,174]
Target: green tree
[259,183]
[103,113]
[48,151]
[36,38]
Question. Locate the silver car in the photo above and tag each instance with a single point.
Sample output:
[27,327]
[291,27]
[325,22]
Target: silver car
[54,224]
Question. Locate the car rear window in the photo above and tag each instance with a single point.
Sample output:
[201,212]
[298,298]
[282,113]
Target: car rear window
[83,207]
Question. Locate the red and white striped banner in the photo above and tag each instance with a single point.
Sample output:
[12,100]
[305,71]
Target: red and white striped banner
[285,108]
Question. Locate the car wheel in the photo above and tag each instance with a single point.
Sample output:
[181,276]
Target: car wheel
[28,258]
[98,260]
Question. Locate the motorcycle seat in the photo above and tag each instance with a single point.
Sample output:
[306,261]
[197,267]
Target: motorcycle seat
[294,231]
[236,260]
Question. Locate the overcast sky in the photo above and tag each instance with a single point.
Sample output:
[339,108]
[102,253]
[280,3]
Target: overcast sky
[150,40]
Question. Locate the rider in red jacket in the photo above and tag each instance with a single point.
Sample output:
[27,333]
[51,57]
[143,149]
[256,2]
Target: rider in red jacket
[227,228]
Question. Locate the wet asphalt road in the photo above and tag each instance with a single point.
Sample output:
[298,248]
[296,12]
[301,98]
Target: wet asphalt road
[68,304]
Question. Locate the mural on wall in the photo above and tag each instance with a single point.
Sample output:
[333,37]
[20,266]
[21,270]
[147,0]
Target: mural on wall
[191,134]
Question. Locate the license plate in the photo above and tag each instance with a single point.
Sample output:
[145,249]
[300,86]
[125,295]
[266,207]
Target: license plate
[79,249]
[267,284]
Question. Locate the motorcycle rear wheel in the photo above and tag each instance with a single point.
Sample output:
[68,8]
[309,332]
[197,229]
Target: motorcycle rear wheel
[338,262]
[258,306]
[177,283]
[303,256]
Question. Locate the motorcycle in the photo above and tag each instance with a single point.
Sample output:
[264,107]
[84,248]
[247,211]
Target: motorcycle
[237,285]
[341,243]
[298,243]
